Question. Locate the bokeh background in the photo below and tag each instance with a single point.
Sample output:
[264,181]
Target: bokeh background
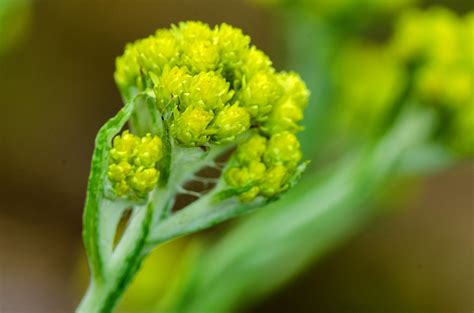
[57,89]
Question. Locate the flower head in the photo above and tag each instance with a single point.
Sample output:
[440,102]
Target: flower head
[212,87]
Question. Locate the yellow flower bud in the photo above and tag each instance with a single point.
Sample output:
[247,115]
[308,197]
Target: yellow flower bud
[208,90]
[232,42]
[230,122]
[257,170]
[121,188]
[294,88]
[119,172]
[192,31]
[256,61]
[189,127]
[283,148]
[260,94]
[252,149]
[124,146]
[149,151]
[284,117]
[274,181]
[144,179]
[172,84]
[200,56]
[250,195]
[238,177]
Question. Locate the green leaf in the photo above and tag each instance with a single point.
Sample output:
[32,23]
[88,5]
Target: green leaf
[100,214]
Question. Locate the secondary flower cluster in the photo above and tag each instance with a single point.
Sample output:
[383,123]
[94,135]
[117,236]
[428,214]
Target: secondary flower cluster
[264,163]
[438,44]
[133,169]
[211,86]
[263,166]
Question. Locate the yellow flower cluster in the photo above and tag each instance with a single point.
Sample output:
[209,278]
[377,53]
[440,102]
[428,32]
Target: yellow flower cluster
[211,86]
[263,166]
[438,44]
[133,167]
[214,84]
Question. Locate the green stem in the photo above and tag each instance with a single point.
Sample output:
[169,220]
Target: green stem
[126,260]
[92,300]
[199,215]
[123,261]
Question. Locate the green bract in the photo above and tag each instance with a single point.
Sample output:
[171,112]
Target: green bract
[192,95]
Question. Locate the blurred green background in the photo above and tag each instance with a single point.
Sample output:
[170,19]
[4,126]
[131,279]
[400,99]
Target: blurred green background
[57,89]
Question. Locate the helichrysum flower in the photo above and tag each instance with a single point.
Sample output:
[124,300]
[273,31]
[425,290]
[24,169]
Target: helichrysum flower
[194,96]
[211,87]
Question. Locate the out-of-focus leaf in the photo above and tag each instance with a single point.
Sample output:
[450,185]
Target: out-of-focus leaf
[15,16]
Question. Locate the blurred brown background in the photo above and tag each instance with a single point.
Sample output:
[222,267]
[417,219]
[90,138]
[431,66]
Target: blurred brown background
[57,89]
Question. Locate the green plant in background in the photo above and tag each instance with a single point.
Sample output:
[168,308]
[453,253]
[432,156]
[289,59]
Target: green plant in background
[14,20]
[193,95]
[436,46]
[407,103]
